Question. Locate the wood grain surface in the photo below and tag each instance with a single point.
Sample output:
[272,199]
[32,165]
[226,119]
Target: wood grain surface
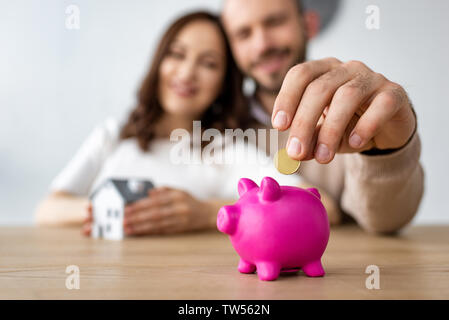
[33,261]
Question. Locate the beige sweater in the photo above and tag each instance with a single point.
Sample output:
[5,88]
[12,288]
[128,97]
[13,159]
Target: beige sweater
[381,193]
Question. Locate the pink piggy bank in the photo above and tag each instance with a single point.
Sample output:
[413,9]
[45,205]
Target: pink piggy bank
[276,228]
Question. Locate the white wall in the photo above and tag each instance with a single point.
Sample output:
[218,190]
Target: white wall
[56,84]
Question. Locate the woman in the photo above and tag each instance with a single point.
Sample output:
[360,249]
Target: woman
[192,77]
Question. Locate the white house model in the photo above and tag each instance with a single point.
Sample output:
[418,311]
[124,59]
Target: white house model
[108,204]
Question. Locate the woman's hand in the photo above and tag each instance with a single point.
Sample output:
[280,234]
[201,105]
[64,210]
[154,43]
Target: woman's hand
[87,223]
[167,210]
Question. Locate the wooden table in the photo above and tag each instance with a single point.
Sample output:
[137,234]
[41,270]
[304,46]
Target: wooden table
[33,261]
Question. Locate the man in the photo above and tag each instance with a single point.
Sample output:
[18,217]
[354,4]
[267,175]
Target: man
[358,126]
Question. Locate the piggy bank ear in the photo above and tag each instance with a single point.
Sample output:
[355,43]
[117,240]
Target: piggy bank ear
[269,189]
[315,192]
[245,185]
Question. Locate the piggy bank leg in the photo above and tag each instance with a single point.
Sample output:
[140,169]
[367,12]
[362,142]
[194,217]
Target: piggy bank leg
[246,267]
[313,269]
[268,271]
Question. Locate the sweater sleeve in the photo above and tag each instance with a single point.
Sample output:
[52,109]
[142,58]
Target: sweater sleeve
[382,193]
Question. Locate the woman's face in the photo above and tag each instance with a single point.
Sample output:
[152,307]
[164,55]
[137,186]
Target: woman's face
[192,72]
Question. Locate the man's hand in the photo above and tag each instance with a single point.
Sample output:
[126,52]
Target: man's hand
[167,210]
[333,107]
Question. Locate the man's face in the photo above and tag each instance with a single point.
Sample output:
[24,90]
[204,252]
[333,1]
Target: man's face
[267,38]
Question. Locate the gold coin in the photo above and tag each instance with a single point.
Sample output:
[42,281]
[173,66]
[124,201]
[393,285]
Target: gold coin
[284,163]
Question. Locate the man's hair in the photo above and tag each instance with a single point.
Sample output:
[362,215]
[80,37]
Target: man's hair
[326,9]
[300,6]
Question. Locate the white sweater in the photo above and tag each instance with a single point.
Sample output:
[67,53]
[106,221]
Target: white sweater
[103,155]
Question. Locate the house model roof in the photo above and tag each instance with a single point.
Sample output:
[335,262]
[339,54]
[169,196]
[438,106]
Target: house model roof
[130,190]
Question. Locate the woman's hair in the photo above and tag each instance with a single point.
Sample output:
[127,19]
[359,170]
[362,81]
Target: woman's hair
[229,110]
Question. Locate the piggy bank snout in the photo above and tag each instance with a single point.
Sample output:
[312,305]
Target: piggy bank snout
[227,219]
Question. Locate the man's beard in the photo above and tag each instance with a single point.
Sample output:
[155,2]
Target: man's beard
[274,90]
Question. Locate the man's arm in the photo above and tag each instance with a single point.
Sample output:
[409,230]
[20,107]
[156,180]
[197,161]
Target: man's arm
[382,192]
[346,109]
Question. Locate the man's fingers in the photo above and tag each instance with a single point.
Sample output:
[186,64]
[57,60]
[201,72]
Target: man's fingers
[293,88]
[346,101]
[310,155]
[317,96]
[382,109]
